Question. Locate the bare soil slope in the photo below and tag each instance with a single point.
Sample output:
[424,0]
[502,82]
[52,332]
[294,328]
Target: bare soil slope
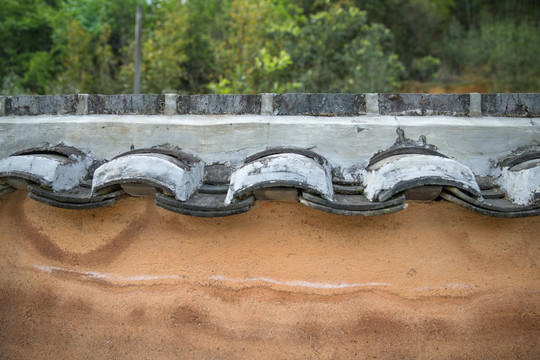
[281,281]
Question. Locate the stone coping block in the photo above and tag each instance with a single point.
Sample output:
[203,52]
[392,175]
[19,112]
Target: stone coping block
[40,105]
[219,104]
[320,104]
[511,105]
[424,104]
[471,105]
[146,104]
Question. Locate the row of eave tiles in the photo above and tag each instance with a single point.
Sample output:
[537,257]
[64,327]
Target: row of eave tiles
[67,177]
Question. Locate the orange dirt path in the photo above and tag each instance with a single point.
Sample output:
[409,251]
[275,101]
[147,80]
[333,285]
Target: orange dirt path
[282,281]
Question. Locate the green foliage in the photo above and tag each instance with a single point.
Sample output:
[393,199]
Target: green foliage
[223,86]
[25,35]
[503,52]
[254,46]
[163,52]
[38,74]
[86,59]
[271,70]
[425,69]
[417,25]
[338,51]
[249,56]
[470,13]
[206,20]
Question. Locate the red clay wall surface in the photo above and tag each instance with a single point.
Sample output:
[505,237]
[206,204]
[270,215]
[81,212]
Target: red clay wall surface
[281,281]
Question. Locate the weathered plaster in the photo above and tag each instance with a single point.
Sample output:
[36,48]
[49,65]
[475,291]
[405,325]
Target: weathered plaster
[522,183]
[393,170]
[346,142]
[152,169]
[57,172]
[281,170]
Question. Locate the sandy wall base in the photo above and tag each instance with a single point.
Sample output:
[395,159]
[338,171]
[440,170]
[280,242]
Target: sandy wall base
[281,281]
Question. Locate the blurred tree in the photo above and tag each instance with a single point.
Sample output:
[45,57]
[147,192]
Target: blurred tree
[338,51]
[81,46]
[469,13]
[207,26]
[250,56]
[418,26]
[25,35]
[502,52]
[163,51]
[249,46]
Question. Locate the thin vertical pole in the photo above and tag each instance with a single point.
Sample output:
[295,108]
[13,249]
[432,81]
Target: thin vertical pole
[468,10]
[138,51]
